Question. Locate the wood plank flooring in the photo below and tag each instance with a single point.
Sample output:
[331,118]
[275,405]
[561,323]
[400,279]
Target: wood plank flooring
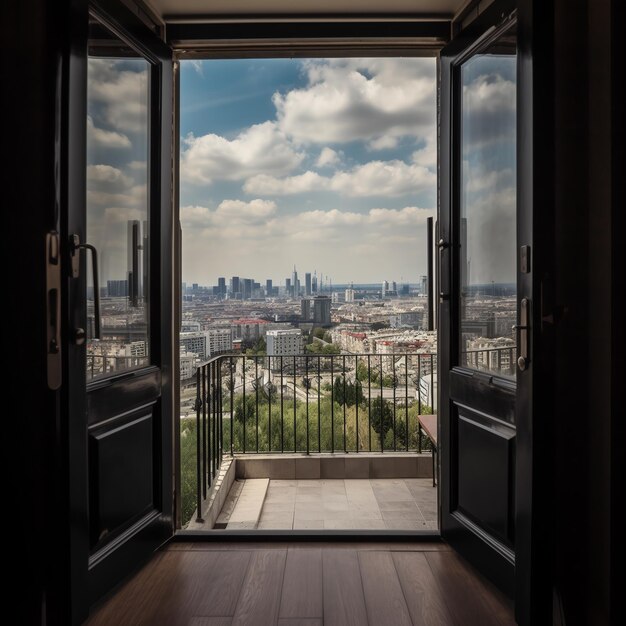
[305,584]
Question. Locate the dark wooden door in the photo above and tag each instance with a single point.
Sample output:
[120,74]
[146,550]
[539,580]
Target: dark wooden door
[481,304]
[118,299]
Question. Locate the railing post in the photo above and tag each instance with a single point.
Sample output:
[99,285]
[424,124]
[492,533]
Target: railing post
[198,451]
[382,402]
[295,382]
[369,402]
[243,400]
[345,445]
[232,406]
[269,404]
[332,405]
[307,385]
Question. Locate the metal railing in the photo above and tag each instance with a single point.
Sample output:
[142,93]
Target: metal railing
[314,403]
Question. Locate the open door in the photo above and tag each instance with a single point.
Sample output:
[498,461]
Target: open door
[484,313]
[117,298]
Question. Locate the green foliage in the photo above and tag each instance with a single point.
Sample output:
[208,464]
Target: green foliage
[381,416]
[258,349]
[319,333]
[353,392]
[380,325]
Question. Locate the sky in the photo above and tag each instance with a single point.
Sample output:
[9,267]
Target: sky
[328,164]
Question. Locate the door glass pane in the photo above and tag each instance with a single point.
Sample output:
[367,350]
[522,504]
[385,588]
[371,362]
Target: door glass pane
[488,239]
[118,90]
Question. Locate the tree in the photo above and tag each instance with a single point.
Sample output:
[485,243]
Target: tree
[353,392]
[258,349]
[319,333]
[380,325]
[381,408]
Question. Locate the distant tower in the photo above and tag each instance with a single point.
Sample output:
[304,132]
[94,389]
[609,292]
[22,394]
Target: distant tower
[295,283]
[307,283]
[424,284]
[384,288]
[314,282]
[287,286]
[269,289]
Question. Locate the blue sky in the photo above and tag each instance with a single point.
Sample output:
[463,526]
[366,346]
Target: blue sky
[328,164]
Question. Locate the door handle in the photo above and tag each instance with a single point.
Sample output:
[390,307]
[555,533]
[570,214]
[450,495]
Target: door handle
[523,334]
[53,310]
[75,247]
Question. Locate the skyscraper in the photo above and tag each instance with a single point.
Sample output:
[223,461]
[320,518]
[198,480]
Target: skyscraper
[287,286]
[247,288]
[269,289]
[295,283]
[307,284]
[235,287]
[384,288]
[321,310]
[221,287]
[314,282]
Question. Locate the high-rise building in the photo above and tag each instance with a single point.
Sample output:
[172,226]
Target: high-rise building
[269,289]
[424,281]
[384,288]
[394,286]
[350,294]
[287,286]
[307,284]
[321,310]
[247,288]
[295,283]
[235,286]
[305,309]
[221,287]
[314,282]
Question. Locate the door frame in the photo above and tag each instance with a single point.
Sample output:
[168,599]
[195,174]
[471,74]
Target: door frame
[85,587]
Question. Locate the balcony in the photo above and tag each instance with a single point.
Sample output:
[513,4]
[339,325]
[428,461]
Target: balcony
[314,441]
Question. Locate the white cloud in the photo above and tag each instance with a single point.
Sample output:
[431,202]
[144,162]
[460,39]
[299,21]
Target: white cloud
[253,211]
[327,157]
[262,148]
[265,185]
[121,89]
[135,197]
[376,178]
[102,138]
[107,175]
[489,104]
[337,241]
[360,99]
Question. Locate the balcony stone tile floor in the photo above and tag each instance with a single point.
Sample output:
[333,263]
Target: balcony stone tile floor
[342,504]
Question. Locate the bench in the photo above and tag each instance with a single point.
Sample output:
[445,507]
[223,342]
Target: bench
[428,423]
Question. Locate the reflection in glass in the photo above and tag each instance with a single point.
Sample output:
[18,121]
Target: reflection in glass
[117,201]
[488,208]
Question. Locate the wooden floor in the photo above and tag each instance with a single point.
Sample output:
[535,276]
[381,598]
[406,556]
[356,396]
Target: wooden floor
[305,584]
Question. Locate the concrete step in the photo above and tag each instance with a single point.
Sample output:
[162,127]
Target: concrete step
[246,505]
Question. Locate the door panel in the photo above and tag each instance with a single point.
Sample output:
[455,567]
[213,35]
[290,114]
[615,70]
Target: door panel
[478,300]
[120,306]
